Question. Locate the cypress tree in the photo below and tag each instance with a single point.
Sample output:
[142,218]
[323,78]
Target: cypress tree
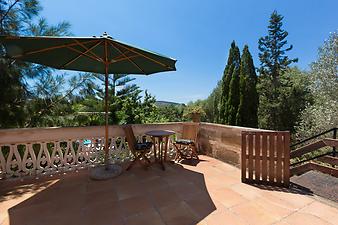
[233,101]
[232,65]
[248,106]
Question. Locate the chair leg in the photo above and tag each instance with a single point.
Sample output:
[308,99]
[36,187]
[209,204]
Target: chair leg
[147,159]
[180,153]
[154,148]
[132,163]
[194,152]
[177,152]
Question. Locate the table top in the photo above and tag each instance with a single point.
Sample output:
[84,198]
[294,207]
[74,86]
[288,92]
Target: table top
[160,133]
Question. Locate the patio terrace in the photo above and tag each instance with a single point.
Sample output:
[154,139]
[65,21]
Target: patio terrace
[51,191]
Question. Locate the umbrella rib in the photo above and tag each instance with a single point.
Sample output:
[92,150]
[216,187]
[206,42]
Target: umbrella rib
[127,58]
[50,48]
[77,57]
[105,52]
[121,56]
[124,58]
[83,46]
[92,57]
[147,57]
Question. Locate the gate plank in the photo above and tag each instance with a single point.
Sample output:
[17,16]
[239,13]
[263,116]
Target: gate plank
[257,156]
[286,177]
[244,154]
[250,152]
[271,157]
[264,157]
[280,150]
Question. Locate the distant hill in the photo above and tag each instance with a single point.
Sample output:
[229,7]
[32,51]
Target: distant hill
[166,103]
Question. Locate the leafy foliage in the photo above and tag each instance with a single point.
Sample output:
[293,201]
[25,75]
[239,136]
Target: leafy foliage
[35,95]
[12,97]
[195,108]
[16,15]
[26,95]
[322,114]
[289,99]
[49,104]
[169,113]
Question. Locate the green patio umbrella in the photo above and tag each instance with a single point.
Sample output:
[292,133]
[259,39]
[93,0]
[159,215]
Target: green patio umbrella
[103,55]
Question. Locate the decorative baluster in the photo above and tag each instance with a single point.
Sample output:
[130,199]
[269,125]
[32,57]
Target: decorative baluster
[13,166]
[43,160]
[81,157]
[29,160]
[112,150]
[57,161]
[94,151]
[121,148]
[89,152]
[69,156]
[125,152]
[2,162]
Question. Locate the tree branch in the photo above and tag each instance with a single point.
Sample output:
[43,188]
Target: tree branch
[6,13]
[51,104]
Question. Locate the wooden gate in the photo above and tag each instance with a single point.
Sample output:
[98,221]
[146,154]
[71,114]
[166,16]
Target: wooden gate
[266,157]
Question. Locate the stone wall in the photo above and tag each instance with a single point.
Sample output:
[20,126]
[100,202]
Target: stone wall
[222,141]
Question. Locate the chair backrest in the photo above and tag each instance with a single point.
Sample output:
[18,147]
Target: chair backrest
[190,131]
[128,130]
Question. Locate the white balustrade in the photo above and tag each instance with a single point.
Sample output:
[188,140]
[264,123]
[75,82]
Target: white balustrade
[39,151]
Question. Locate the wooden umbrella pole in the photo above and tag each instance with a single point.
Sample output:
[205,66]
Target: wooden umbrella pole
[106,143]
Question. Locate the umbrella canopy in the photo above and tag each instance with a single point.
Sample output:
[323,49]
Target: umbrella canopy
[102,54]
[89,54]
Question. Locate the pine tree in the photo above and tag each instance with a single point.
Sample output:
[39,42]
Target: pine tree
[232,65]
[22,18]
[149,108]
[247,110]
[121,90]
[274,62]
[12,97]
[272,51]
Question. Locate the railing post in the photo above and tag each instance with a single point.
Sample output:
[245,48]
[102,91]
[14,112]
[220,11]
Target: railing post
[334,137]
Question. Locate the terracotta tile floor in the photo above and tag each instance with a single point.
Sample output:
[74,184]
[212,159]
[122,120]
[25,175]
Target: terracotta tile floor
[209,193]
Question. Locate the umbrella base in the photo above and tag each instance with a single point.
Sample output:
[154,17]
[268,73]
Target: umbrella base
[105,172]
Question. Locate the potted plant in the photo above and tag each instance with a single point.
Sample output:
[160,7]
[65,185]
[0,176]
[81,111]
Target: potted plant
[194,112]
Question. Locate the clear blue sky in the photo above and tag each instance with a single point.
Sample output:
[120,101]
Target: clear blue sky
[197,33]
